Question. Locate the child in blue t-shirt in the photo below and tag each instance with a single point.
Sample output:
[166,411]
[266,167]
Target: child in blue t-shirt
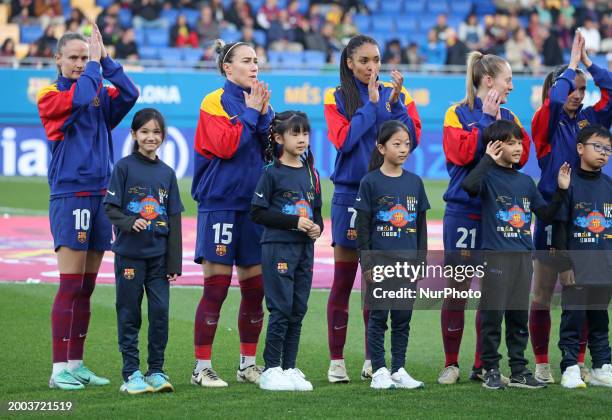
[391,215]
[508,198]
[287,202]
[144,206]
[584,231]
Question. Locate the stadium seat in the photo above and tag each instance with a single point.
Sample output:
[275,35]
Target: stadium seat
[260,37]
[460,8]
[372,5]
[312,57]
[148,53]
[104,3]
[414,6]
[139,37]
[293,58]
[382,23]
[230,35]
[191,15]
[437,7]
[125,18]
[171,56]
[192,55]
[406,23]
[391,7]
[4,14]
[157,38]
[30,33]
[275,57]
[170,16]
[9,30]
[362,22]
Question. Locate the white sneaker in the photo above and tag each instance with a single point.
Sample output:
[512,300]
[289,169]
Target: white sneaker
[571,378]
[250,374]
[299,379]
[449,376]
[543,373]
[602,376]
[366,370]
[275,380]
[207,378]
[337,372]
[382,379]
[403,380]
[585,373]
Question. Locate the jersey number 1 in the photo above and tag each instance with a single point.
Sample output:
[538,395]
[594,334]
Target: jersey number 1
[81,219]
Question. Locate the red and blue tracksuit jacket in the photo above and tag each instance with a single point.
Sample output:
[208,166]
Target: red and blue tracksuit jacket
[78,116]
[355,139]
[555,132]
[228,144]
[463,148]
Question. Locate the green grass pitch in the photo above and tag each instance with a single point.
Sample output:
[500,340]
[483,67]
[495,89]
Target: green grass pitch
[26,356]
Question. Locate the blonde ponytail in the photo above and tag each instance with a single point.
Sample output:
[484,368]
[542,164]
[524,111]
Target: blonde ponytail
[478,66]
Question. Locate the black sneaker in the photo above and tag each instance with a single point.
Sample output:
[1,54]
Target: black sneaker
[477,374]
[525,380]
[492,380]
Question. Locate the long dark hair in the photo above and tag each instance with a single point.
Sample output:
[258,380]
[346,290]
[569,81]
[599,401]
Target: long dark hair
[386,131]
[144,116]
[291,122]
[552,77]
[348,87]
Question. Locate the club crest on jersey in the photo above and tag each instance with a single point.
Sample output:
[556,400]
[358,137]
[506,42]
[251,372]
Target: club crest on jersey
[82,237]
[96,101]
[221,250]
[282,267]
[388,106]
[129,273]
[582,124]
[351,234]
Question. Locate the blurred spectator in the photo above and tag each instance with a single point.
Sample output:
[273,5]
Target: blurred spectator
[147,14]
[393,53]
[564,32]
[456,50]
[126,48]
[39,50]
[207,28]
[471,32]
[247,37]
[592,38]
[240,14]
[48,39]
[441,26]
[49,12]
[281,37]
[181,4]
[536,31]
[606,44]
[294,16]
[76,21]
[544,14]
[515,6]
[567,11]
[268,13]
[22,12]
[218,13]
[181,35]
[315,18]
[346,30]
[521,53]
[108,22]
[497,28]
[434,51]
[513,25]
[551,50]
[262,56]
[587,10]
[412,55]
[7,52]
